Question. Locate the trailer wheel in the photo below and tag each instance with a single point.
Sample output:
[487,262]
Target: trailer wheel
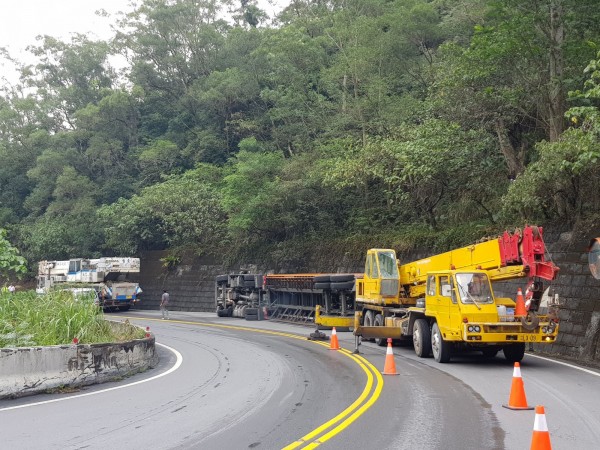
[441,348]
[342,285]
[422,338]
[222,278]
[337,278]
[514,352]
[321,279]
[223,312]
[378,322]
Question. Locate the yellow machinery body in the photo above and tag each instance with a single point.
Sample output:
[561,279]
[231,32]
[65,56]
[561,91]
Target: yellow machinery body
[451,295]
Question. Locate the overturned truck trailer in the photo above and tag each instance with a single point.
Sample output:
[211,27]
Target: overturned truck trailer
[288,297]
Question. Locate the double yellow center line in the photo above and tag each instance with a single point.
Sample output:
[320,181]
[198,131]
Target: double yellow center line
[336,425]
[329,429]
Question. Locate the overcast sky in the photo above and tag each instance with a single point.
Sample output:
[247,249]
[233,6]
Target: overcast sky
[22,20]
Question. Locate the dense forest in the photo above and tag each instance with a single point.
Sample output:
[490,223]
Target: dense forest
[347,123]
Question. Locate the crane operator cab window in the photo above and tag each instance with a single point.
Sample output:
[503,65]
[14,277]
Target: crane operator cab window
[387,265]
[371,267]
[474,288]
[431,285]
[446,288]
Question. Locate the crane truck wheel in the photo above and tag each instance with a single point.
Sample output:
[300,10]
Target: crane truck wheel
[490,352]
[514,352]
[441,348]
[368,321]
[422,338]
[378,322]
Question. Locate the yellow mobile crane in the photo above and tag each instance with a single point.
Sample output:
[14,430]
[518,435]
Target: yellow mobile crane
[446,301]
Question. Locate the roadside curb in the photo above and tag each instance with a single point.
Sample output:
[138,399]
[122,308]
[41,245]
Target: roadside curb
[33,370]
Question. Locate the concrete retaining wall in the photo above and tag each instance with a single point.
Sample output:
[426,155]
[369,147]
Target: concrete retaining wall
[26,371]
[191,284]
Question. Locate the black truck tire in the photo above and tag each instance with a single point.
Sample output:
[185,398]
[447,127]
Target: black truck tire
[514,352]
[337,278]
[422,338]
[342,285]
[378,322]
[321,279]
[441,348]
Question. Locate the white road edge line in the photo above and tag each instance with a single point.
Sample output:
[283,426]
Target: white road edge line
[171,370]
[572,366]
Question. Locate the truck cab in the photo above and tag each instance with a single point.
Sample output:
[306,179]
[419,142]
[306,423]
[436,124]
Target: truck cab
[453,298]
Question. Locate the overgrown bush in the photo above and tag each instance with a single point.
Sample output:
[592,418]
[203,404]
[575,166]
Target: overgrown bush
[28,319]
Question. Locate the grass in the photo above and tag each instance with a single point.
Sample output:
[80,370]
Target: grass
[28,319]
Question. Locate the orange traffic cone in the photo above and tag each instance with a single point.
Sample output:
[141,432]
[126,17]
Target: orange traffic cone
[520,309]
[541,437]
[390,365]
[517,398]
[334,344]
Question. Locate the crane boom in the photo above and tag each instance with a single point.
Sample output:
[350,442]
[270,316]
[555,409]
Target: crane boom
[513,255]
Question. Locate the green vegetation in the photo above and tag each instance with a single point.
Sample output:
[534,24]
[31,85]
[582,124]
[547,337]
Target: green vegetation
[11,262]
[27,319]
[337,125]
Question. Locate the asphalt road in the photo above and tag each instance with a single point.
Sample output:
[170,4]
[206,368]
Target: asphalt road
[225,383]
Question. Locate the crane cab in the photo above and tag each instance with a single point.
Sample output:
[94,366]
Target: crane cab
[380,282]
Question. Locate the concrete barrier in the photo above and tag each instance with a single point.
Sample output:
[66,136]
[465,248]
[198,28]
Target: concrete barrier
[32,370]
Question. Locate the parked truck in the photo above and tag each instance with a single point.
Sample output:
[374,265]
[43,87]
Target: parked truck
[446,302]
[114,279]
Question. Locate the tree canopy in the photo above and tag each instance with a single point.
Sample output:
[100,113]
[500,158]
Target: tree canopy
[361,119]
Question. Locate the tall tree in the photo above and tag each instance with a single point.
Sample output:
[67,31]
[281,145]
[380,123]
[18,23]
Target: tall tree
[69,76]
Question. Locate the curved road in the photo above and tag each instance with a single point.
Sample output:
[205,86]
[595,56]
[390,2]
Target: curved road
[226,383]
